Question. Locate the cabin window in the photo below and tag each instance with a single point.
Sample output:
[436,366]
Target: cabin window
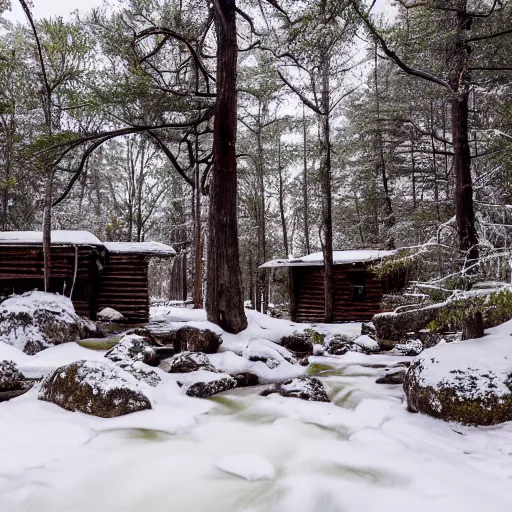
[358,280]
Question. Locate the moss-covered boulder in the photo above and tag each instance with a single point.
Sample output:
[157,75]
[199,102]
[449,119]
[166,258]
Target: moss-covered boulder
[95,388]
[394,328]
[466,381]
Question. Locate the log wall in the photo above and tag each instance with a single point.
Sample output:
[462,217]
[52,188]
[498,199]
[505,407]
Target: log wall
[22,270]
[308,294]
[124,286]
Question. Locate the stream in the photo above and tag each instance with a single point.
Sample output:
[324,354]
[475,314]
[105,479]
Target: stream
[364,452]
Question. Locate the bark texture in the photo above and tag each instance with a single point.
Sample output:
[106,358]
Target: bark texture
[224,299]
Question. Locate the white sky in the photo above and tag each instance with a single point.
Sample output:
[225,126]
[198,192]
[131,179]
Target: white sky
[47,8]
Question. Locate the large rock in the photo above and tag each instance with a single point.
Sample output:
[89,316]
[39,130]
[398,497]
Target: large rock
[131,348]
[246,379]
[190,339]
[37,320]
[393,328]
[465,381]
[393,375]
[94,388]
[111,315]
[306,388]
[300,344]
[209,387]
[187,362]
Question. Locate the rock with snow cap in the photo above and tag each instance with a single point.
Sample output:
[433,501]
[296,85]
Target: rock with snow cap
[131,348]
[36,320]
[186,362]
[299,344]
[267,352]
[340,344]
[111,315]
[306,388]
[190,339]
[393,328]
[411,348]
[464,381]
[246,379]
[393,375]
[209,387]
[99,389]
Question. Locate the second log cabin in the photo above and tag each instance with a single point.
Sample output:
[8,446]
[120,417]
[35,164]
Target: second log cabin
[357,290]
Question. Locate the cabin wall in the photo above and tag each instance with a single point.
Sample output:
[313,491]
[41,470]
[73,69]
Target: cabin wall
[308,294]
[22,270]
[124,286]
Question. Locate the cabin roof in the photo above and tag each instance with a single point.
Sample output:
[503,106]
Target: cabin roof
[64,237]
[143,248]
[59,237]
[339,257]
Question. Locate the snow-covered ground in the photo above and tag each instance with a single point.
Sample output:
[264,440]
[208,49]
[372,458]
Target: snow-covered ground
[241,452]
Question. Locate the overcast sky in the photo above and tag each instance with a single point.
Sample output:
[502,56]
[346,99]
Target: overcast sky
[47,8]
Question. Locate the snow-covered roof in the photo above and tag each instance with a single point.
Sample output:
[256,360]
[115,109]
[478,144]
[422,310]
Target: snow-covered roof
[146,248]
[59,237]
[339,258]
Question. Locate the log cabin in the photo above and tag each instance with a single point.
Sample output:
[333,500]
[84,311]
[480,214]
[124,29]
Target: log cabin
[95,275]
[357,291]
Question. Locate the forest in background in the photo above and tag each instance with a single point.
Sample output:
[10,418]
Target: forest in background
[353,131]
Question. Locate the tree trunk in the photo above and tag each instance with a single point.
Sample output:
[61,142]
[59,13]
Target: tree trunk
[464,208]
[389,218]
[459,82]
[262,299]
[305,185]
[325,179]
[473,327]
[281,201]
[47,230]
[198,241]
[224,301]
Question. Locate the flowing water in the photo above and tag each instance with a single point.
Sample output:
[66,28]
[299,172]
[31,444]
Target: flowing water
[364,452]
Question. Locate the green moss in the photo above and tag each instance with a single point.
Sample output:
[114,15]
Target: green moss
[316,337]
